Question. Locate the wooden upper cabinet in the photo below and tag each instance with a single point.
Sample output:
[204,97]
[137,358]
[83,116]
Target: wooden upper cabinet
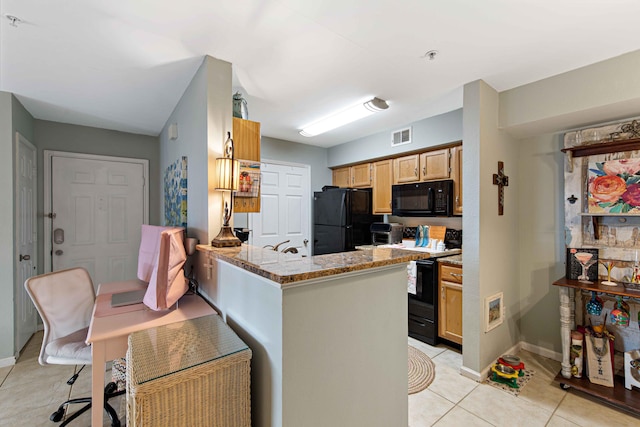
[358,176]
[456,174]
[434,165]
[246,146]
[341,177]
[406,169]
[246,139]
[361,175]
[382,181]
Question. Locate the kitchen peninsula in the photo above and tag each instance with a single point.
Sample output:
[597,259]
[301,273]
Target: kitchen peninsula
[328,332]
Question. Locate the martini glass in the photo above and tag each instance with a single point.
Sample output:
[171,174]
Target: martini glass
[609,266]
[585,259]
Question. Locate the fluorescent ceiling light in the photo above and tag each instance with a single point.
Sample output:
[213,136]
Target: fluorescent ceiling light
[341,118]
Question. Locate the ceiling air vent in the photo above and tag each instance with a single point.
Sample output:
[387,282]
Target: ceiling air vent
[402,136]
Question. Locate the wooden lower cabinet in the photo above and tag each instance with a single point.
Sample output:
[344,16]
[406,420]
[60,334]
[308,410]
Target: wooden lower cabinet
[450,302]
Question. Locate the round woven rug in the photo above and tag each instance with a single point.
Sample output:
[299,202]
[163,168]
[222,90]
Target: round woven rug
[422,371]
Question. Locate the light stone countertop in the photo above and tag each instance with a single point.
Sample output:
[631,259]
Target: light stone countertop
[454,259]
[285,268]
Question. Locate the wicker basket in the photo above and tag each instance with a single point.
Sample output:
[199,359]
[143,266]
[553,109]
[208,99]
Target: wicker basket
[164,392]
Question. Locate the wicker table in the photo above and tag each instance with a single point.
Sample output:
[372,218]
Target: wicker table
[190,373]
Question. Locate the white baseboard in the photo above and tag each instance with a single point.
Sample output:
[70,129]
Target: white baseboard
[541,351]
[7,361]
[471,374]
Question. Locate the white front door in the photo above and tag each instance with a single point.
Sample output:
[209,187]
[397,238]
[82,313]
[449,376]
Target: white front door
[98,205]
[26,239]
[285,207]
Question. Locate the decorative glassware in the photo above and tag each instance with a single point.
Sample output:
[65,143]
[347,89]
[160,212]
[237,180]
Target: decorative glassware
[594,306]
[609,266]
[620,314]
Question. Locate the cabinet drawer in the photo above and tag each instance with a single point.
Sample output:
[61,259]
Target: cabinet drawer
[420,309]
[421,326]
[450,273]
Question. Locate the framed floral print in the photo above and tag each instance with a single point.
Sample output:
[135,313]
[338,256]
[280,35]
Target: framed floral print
[614,187]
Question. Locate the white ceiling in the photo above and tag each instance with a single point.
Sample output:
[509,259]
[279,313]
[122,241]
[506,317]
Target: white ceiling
[123,64]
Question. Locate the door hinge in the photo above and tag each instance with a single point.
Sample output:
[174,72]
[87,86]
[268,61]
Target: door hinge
[51,215]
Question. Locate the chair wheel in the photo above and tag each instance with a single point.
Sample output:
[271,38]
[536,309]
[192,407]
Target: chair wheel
[57,416]
[110,388]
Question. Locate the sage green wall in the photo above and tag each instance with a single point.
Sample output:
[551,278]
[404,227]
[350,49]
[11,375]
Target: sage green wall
[541,252]
[88,140]
[602,92]
[430,132]
[203,116]
[490,240]
[287,151]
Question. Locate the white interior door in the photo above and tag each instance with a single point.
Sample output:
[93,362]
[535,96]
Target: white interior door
[284,207]
[98,205]
[26,239]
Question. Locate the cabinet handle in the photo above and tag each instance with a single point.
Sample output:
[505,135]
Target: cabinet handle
[456,274]
[415,171]
[424,170]
[457,200]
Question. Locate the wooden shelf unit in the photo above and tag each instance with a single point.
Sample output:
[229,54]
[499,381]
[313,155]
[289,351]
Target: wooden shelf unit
[603,147]
[617,395]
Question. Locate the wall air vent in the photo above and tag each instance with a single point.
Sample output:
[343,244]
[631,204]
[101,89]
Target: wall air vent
[400,137]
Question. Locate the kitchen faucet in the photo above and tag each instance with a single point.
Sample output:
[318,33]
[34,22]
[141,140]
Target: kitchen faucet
[275,248]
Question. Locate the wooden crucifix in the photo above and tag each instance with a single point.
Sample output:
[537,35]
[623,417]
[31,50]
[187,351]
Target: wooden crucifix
[501,180]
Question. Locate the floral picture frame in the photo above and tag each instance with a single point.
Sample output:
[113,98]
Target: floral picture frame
[493,311]
[614,187]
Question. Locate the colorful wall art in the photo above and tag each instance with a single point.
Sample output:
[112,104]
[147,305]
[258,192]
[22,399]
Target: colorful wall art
[614,186]
[175,193]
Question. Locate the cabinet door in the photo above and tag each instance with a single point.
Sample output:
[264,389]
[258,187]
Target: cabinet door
[434,165]
[456,174]
[361,175]
[450,308]
[406,169]
[382,181]
[341,177]
[246,146]
[246,139]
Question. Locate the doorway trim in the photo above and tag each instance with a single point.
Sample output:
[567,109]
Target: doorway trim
[48,158]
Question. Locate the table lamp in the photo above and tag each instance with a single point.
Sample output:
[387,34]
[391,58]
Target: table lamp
[227,173]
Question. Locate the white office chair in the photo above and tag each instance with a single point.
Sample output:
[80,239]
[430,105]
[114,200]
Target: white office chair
[65,300]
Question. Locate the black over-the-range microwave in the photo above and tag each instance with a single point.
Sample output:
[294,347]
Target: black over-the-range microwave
[433,198]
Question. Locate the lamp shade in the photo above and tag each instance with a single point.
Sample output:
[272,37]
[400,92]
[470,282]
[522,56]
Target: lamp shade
[227,173]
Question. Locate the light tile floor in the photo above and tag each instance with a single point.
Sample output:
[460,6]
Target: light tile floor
[453,400]
[29,393]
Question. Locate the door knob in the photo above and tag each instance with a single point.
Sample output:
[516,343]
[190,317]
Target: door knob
[25,257]
[59,252]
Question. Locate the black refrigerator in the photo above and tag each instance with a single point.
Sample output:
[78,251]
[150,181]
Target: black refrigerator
[342,217]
